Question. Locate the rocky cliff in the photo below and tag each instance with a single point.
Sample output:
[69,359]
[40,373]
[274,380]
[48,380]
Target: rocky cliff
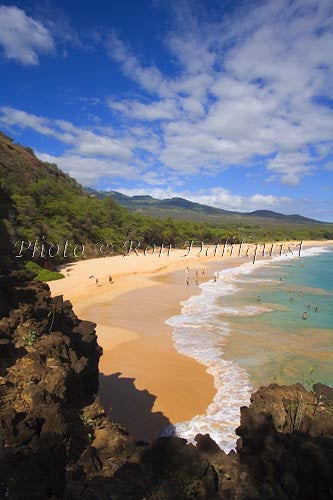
[56,441]
[48,374]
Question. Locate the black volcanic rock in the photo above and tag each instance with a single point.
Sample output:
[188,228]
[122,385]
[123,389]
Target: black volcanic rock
[286,443]
[56,442]
[46,377]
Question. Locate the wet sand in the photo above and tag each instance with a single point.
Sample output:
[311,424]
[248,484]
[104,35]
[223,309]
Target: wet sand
[145,383]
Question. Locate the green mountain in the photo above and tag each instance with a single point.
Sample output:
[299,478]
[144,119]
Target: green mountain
[181,208]
[39,201]
[47,202]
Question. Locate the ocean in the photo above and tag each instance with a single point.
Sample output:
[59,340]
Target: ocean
[248,329]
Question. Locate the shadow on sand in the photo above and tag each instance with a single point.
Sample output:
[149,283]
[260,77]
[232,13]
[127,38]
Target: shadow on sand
[131,407]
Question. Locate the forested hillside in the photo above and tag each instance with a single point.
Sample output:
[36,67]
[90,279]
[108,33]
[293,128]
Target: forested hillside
[37,199]
[180,208]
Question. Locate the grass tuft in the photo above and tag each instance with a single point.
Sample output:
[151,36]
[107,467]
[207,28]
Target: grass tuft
[43,274]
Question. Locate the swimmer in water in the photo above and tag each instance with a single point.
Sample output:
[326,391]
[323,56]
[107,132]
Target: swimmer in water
[309,307]
[316,308]
[305,315]
[258,298]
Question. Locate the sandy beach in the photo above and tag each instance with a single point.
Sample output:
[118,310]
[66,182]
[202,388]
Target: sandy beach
[145,383]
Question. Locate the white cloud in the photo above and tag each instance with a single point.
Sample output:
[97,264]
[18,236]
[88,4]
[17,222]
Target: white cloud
[219,197]
[250,88]
[81,141]
[87,170]
[246,86]
[153,178]
[15,117]
[89,155]
[159,110]
[23,38]
[149,77]
[291,166]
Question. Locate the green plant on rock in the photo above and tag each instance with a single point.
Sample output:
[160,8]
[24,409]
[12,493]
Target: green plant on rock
[88,424]
[309,381]
[29,338]
[86,420]
[41,273]
[55,309]
[296,409]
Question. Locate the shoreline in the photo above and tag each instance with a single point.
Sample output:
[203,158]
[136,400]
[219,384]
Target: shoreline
[142,373]
[263,333]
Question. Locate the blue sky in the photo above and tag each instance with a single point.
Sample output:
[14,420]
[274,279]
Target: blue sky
[225,103]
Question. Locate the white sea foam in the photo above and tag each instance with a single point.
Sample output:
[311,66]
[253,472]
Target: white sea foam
[199,333]
[254,280]
[244,311]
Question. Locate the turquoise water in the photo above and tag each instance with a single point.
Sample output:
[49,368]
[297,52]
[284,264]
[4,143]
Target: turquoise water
[245,343]
[310,276]
[276,343]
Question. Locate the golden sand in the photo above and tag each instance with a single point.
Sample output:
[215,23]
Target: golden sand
[145,383]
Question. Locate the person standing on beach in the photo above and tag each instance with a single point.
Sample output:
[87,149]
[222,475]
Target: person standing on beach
[258,298]
[255,253]
[215,278]
[197,281]
[110,279]
[96,281]
[188,281]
